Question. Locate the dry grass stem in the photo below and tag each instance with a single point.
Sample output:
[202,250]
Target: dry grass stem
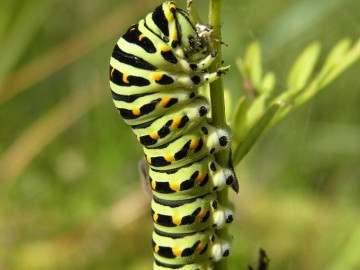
[71,50]
[33,140]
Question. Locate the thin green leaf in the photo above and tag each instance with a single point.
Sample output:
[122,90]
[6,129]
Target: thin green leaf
[256,110]
[286,101]
[268,83]
[305,95]
[253,63]
[336,54]
[346,61]
[282,112]
[253,135]
[304,66]
[324,79]
[338,60]
[239,118]
[285,97]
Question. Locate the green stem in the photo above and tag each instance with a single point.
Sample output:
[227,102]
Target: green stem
[218,108]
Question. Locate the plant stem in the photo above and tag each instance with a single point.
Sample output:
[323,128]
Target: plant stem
[218,108]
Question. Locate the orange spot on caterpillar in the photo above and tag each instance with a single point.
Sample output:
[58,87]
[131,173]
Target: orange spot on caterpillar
[156,248]
[157,76]
[155,217]
[141,37]
[169,158]
[201,214]
[136,111]
[176,122]
[165,48]
[125,78]
[175,186]
[200,247]
[153,184]
[200,178]
[176,251]
[164,101]
[148,159]
[154,136]
[176,220]
[194,144]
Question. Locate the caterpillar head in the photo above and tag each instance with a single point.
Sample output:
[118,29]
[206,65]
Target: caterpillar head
[190,38]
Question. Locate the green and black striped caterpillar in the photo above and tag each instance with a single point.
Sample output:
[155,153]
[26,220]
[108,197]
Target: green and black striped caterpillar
[156,69]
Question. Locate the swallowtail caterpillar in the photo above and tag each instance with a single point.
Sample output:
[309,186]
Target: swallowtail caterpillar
[156,70]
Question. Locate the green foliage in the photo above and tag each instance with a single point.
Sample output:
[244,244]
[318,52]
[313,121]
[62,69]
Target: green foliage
[250,121]
[254,133]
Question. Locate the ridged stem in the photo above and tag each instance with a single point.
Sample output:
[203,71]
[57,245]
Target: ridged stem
[218,108]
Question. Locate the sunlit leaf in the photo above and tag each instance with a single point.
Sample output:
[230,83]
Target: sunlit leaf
[256,110]
[239,118]
[336,54]
[337,68]
[282,112]
[346,61]
[253,63]
[268,83]
[338,60]
[304,66]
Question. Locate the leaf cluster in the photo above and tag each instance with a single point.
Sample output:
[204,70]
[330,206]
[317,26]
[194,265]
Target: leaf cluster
[263,106]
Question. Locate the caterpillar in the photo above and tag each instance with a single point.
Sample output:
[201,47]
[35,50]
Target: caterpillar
[156,70]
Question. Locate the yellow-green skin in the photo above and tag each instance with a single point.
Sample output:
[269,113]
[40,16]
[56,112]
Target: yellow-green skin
[156,69]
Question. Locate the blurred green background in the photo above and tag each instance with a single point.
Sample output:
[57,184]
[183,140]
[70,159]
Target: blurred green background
[70,197]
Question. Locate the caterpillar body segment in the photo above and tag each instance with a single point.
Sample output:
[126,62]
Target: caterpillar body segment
[189,247]
[185,149]
[195,179]
[151,105]
[126,77]
[156,69]
[174,124]
[186,216]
